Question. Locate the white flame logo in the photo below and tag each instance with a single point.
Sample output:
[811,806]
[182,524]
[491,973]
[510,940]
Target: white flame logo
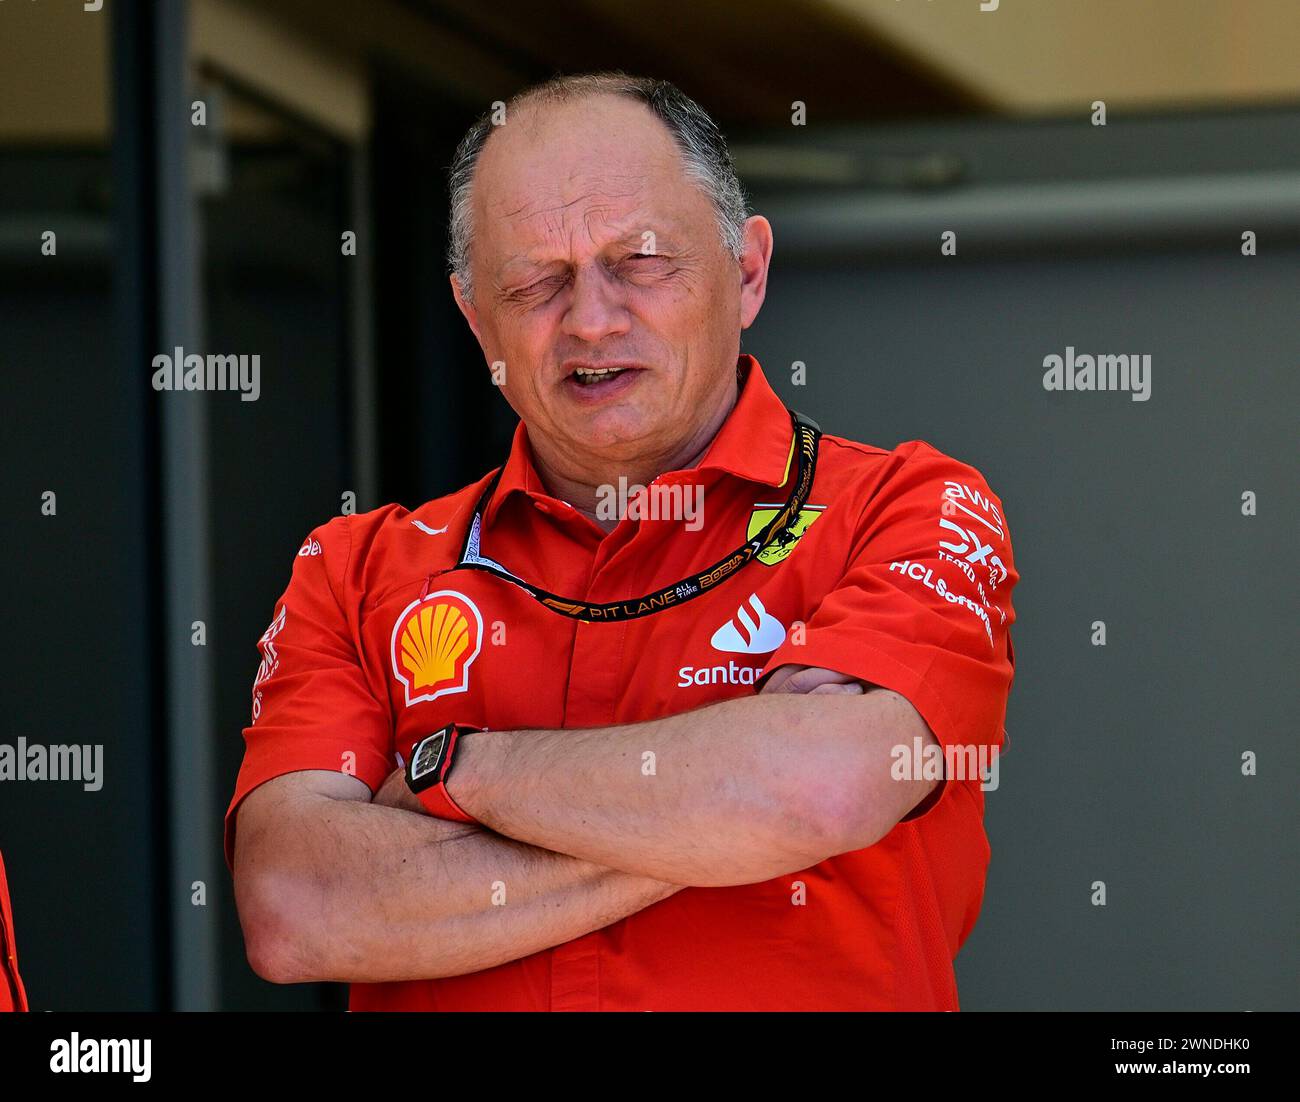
[750,634]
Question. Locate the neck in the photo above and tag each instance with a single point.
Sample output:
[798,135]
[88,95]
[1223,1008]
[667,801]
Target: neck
[579,485]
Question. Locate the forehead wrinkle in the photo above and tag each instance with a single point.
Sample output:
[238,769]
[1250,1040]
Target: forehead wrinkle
[550,229]
[586,181]
[602,213]
[524,208]
[542,225]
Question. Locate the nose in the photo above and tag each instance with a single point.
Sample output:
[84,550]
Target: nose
[596,306]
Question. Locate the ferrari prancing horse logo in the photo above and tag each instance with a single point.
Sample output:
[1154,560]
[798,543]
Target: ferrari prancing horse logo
[780,550]
[435,641]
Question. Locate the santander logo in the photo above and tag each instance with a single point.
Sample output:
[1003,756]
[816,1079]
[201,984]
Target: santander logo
[751,631]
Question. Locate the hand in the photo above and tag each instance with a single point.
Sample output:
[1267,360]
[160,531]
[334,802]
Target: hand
[811,679]
[395,792]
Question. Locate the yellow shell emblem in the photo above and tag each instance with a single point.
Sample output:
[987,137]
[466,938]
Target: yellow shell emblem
[434,642]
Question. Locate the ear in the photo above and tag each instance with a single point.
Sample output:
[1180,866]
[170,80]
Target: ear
[755,259]
[466,308]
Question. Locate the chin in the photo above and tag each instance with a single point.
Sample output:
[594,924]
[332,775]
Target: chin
[618,433]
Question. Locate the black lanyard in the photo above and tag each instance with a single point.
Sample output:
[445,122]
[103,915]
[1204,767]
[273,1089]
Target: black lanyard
[806,437]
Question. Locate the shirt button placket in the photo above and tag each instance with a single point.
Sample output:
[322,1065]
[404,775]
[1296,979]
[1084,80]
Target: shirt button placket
[591,701]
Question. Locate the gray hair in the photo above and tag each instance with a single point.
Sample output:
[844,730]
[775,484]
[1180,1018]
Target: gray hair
[705,157]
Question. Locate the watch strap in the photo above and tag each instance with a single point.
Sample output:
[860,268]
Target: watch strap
[427,771]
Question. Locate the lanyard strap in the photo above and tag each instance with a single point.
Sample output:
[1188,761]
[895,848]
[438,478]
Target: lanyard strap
[806,437]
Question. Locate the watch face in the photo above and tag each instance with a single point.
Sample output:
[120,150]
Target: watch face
[427,758]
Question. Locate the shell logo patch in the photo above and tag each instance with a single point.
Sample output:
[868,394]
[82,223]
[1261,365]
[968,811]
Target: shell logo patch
[780,550]
[435,641]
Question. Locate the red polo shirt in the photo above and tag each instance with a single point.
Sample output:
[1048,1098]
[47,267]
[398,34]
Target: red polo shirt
[901,577]
[12,995]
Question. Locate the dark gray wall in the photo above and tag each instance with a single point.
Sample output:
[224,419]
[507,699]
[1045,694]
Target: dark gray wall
[273,284]
[1125,759]
[83,866]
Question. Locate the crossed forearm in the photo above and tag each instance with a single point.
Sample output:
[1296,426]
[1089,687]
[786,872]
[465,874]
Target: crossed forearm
[585,828]
[371,894]
[735,793]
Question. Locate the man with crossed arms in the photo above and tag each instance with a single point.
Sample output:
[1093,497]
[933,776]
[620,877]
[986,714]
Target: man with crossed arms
[512,751]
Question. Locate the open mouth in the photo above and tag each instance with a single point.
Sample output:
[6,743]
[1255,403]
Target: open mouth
[591,376]
[597,384]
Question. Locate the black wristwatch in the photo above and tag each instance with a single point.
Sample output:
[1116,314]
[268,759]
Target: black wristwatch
[427,770]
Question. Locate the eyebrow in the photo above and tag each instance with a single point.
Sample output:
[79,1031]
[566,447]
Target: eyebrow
[523,264]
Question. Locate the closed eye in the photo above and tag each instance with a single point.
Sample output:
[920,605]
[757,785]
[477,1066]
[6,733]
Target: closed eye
[540,286]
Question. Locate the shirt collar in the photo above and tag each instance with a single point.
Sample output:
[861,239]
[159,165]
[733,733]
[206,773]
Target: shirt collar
[755,443]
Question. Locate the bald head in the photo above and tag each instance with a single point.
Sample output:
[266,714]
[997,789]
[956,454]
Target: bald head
[705,159]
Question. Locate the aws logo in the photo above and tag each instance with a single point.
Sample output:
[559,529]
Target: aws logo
[435,641]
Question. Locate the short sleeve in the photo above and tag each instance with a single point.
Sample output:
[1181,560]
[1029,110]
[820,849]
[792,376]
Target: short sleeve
[312,707]
[12,994]
[924,605]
